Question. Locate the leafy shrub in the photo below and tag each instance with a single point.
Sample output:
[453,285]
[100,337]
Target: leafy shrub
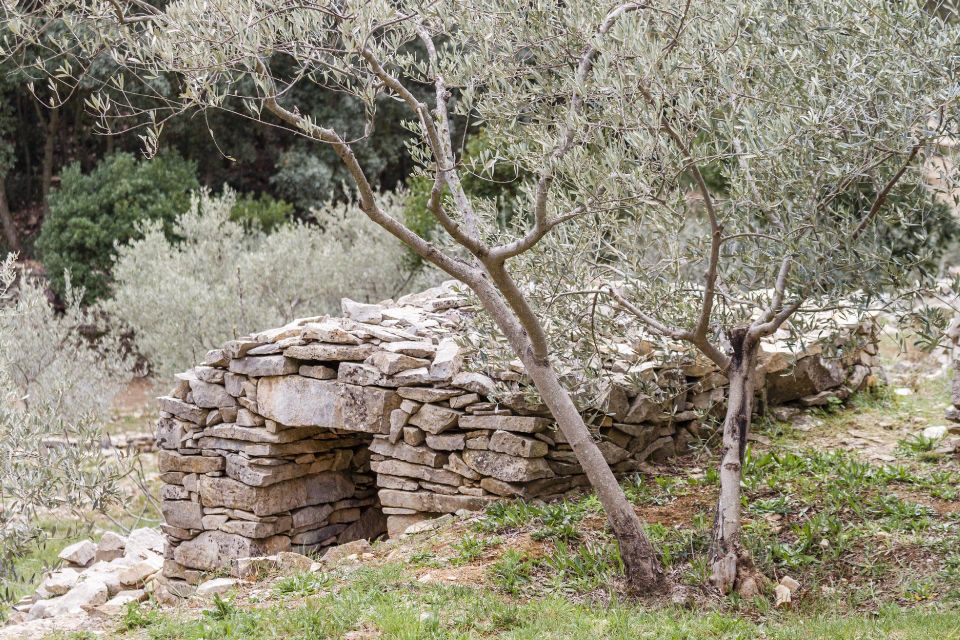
[55,385]
[262,211]
[90,213]
[220,281]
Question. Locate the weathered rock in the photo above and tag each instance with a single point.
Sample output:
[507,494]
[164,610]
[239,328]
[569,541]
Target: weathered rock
[173,461]
[61,581]
[216,586]
[447,441]
[331,352]
[182,513]
[505,467]
[182,410]
[343,551]
[138,572]
[275,498]
[430,502]
[402,451]
[476,382]
[212,550]
[365,409]
[80,553]
[405,469]
[209,395]
[434,419]
[297,401]
[514,445]
[318,371]
[260,366]
[519,424]
[361,312]
[390,363]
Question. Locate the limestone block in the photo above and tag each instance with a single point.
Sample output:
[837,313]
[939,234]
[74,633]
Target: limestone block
[182,513]
[434,419]
[514,445]
[209,395]
[405,469]
[173,461]
[213,550]
[80,553]
[519,424]
[276,498]
[330,352]
[297,401]
[431,502]
[365,409]
[447,441]
[389,363]
[505,467]
[260,366]
[182,410]
[403,451]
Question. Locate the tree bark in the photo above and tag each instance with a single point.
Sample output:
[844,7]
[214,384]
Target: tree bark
[49,147]
[6,220]
[728,559]
[644,571]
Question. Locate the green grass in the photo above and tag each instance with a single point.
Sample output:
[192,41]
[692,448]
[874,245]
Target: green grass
[387,604]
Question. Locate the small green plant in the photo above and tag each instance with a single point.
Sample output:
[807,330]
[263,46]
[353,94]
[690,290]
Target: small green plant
[136,617]
[585,567]
[471,547]
[303,584]
[918,444]
[512,571]
[221,610]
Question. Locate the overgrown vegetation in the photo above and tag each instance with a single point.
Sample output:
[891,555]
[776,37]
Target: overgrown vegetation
[222,278]
[55,387]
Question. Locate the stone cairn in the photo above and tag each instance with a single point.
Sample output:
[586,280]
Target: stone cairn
[328,430]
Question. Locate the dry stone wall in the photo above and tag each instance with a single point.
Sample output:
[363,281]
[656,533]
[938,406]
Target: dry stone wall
[328,430]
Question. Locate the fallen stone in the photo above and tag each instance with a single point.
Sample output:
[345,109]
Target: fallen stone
[116,604]
[213,550]
[340,552]
[61,581]
[137,573]
[80,553]
[215,587]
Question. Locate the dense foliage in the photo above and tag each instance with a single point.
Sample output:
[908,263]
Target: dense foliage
[219,280]
[90,213]
[55,384]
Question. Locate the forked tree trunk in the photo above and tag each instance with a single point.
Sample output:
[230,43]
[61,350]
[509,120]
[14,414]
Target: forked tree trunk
[643,568]
[728,559]
[6,220]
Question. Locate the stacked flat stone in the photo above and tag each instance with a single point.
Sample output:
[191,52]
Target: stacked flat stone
[329,430]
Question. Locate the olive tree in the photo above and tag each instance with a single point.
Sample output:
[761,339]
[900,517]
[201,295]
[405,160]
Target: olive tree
[764,153]
[474,68]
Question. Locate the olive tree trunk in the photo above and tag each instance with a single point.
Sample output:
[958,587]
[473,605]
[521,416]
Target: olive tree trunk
[513,317]
[643,568]
[728,559]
